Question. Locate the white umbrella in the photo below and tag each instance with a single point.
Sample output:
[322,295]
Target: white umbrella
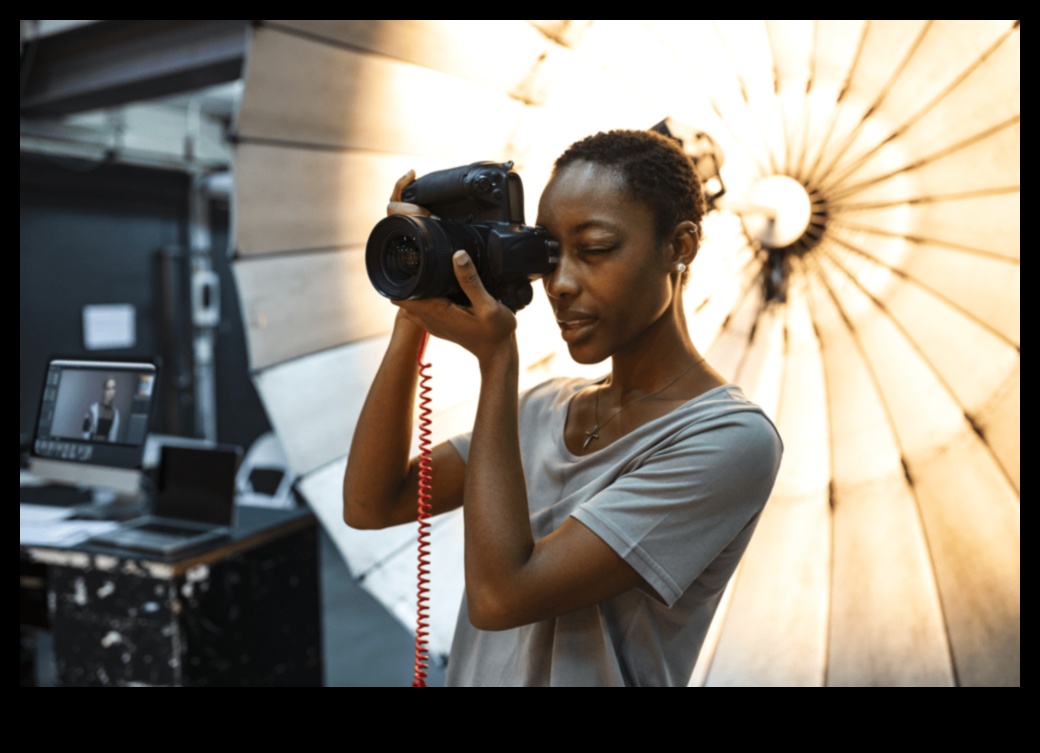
[859,277]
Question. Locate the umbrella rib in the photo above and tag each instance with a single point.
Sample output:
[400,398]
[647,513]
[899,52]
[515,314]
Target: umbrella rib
[882,94]
[910,121]
[835,110]
[747,102]
[965,413]
[868,365]
[838,194]
[923,239]
[996,191]
[800,270]
[779,103]
[919,283]
[804,141]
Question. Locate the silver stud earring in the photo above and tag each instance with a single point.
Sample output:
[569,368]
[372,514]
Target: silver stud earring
[680,267]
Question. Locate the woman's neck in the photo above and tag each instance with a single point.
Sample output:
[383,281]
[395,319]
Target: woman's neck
[663,351]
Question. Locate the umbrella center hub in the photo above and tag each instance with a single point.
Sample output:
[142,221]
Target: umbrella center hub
[782,211]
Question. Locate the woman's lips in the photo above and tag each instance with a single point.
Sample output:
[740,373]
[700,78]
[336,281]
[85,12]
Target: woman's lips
[574,326]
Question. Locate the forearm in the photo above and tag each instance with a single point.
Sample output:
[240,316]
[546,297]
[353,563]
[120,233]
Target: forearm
[498,538]
[377,471]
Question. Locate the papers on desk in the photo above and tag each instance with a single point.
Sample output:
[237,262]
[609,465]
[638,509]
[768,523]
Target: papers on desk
[40,525]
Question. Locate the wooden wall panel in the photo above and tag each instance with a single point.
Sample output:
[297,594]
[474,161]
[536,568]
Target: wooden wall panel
[292,199]
[301,91]
[313,403]
[498,54]
[302,303]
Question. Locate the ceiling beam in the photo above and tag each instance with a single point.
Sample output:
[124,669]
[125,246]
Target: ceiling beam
[113,63]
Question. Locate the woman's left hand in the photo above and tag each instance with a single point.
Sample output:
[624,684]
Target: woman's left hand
[485,328]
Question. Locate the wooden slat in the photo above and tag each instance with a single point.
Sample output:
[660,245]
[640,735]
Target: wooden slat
[969,508]
[499,54]
[308,92]
[290,199]
[886,623]
[307,302]
[989,223]
[313,403]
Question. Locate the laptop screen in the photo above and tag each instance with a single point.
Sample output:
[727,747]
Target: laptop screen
[95,412]
[197,484]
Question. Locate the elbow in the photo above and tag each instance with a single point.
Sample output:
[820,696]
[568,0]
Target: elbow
[490,612]
[357,517]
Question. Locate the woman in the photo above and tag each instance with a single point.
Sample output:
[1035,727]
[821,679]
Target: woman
[603,519]
[101,421]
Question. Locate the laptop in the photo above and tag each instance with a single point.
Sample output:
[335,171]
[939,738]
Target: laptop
[193,504]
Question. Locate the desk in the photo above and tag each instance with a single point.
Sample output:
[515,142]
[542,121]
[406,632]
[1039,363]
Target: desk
[245,611]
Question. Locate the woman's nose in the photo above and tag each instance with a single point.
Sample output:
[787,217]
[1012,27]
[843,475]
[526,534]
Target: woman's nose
[563,280]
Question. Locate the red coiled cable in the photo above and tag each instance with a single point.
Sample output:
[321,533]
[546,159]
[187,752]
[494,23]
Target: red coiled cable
[422,661]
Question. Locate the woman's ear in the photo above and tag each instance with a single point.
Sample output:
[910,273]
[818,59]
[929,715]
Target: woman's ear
[685,243]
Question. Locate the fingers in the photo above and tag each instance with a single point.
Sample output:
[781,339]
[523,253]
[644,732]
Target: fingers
[396,206]
[399,186]
[469,280]
[402,207]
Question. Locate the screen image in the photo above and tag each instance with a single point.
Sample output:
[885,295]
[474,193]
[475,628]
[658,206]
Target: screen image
[95,411]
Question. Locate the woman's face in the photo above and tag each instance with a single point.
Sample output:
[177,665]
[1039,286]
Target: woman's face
[613,279]
[109,392]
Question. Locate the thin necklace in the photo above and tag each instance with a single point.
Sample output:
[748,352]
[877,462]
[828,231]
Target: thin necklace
[591,434]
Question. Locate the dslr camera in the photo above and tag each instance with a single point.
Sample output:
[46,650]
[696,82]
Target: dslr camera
[478,208]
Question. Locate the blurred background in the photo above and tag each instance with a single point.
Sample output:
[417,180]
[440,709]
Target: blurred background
[213,183]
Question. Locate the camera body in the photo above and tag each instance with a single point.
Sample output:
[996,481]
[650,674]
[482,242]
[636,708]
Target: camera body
[478,208]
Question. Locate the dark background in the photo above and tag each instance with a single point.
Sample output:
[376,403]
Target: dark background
[95,233]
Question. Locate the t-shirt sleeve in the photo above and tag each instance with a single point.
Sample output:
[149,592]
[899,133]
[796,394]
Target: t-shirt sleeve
[677,510]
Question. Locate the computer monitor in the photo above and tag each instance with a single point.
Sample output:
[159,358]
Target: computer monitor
[92,423]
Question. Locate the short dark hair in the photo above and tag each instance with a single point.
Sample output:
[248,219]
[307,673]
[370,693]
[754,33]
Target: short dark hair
[655,169]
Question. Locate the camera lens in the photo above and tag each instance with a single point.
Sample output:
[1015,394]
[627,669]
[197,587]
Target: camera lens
[402,258]
[410,257]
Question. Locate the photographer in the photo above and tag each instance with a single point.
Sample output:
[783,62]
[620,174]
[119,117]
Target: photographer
[603,518]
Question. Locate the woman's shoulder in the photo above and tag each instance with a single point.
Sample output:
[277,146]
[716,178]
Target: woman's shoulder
[725,414]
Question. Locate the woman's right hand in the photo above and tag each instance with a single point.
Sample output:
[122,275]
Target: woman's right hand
[396,206]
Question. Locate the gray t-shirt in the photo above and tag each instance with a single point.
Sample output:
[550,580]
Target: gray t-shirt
[678,499]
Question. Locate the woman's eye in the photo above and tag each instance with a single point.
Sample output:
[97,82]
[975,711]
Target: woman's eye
[597,249]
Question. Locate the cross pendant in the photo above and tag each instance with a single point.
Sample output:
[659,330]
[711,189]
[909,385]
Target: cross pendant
[589,436]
